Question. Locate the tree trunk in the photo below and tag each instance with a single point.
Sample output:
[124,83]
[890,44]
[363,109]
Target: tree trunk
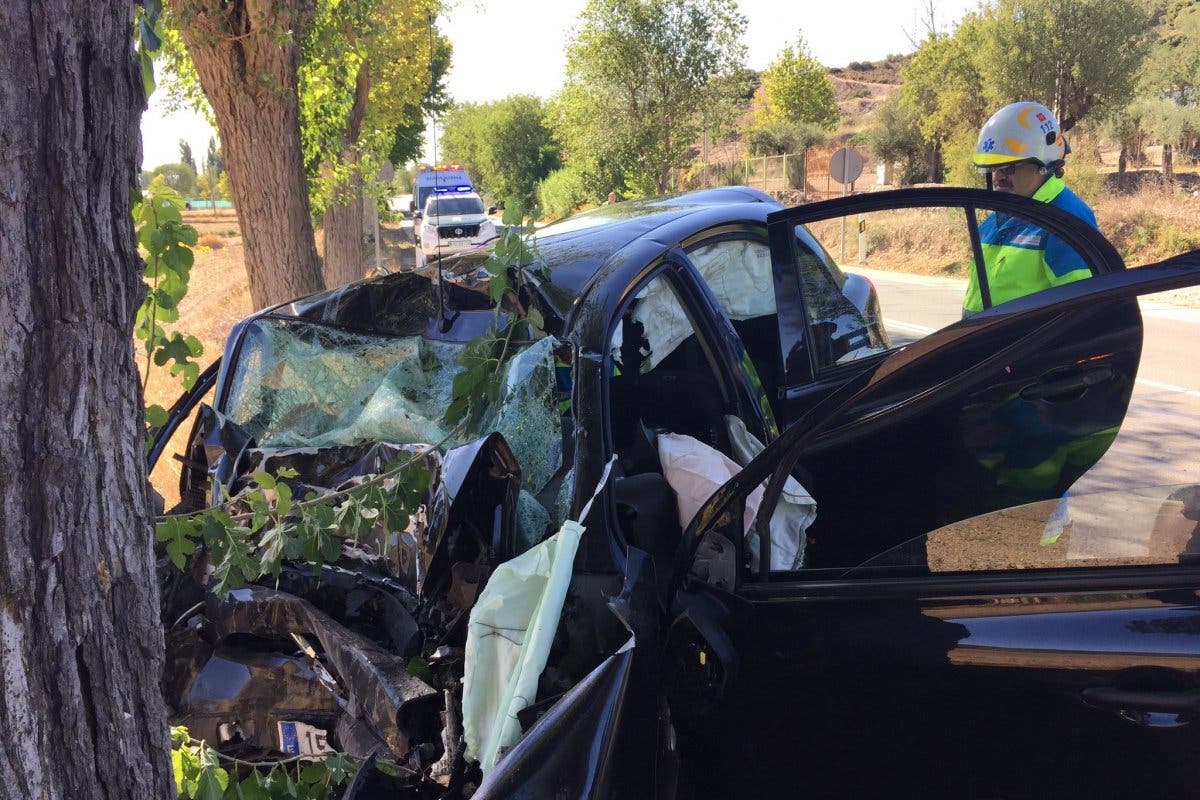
[81,644]
[247,55]
[1168,164]
[1121,161]
[343,221]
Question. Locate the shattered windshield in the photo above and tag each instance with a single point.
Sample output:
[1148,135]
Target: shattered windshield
[298,384]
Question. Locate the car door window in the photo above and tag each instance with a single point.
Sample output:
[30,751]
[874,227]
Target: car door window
[1138,527]
[879,278]
[737,269]
[665,401]
[844,319]
[661,377]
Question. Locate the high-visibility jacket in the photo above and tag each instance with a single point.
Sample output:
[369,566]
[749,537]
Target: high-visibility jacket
[1020,258]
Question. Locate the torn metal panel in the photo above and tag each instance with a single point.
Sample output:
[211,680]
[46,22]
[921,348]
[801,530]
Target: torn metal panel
[401,708]
[238,697]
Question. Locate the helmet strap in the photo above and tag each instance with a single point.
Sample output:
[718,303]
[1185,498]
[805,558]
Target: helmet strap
[988,177]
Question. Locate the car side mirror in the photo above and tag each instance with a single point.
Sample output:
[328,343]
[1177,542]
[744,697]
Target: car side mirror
[491,210]
[416,215]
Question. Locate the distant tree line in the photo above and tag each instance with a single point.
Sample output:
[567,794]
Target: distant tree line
[1125,69]
[649,84]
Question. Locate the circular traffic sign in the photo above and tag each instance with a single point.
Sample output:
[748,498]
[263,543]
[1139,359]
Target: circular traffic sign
[845,165]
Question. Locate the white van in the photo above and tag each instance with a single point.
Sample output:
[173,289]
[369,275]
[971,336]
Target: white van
[452,223]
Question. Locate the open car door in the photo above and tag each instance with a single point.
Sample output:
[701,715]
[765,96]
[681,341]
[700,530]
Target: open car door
[979,670]
[1025,429]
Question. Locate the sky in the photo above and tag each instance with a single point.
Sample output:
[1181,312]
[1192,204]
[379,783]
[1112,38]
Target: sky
[503,48]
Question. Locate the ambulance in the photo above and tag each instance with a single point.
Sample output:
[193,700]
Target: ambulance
[443,178]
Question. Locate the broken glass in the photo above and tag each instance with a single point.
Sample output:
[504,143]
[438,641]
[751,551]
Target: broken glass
[299,384]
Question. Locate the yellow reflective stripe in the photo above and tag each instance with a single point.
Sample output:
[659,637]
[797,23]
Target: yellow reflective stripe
[991,159]
[1012,272]
[1049,190]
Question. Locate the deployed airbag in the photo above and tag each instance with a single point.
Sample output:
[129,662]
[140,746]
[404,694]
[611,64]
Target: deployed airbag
[509,635]
[695,471]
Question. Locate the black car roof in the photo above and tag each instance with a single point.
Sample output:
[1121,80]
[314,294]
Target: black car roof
[573,250]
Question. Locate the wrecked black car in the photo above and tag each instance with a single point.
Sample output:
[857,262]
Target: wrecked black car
[715,534]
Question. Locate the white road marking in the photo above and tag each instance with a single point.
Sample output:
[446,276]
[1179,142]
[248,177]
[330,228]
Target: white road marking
[1169,387]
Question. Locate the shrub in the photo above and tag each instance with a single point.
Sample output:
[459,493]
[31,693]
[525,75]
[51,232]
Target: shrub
[1082,172]
[958,160]
[212,241]
[561,192]
[860,66]
[778,138]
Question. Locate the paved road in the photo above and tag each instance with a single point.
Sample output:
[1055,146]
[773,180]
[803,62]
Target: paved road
[1158,443]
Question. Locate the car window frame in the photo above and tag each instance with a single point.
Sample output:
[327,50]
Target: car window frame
[799,357]
[780,457]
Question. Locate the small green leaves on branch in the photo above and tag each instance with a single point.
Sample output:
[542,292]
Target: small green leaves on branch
[147,37]
[477,387]
[263,526]
[199,774]
[165,243]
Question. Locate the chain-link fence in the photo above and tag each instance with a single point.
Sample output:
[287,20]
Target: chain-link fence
[806,174]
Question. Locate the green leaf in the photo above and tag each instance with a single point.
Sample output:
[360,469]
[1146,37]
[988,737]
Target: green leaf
[264,480]
[512,215]
[156,416]
[150,39]
[233,561]
[177,769]
[340,767]
[314,773]
[178,533]
[283,499]
[211,784]
[419,668]
[147,61]
[251,788]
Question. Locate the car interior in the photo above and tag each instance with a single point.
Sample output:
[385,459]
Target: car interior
[662,382]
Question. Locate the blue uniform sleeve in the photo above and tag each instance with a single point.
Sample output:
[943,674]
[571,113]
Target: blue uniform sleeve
[1062,259]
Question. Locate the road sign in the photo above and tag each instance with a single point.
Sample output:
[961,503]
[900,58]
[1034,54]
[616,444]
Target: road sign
[845,165]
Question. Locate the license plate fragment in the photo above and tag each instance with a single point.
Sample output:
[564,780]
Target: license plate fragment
[302,739]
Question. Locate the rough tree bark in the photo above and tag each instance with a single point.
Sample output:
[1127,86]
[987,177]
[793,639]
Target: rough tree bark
[343,222]
[81,646]
[247,54]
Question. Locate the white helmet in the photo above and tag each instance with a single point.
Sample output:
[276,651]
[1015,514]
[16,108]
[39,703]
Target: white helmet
[1019,132]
